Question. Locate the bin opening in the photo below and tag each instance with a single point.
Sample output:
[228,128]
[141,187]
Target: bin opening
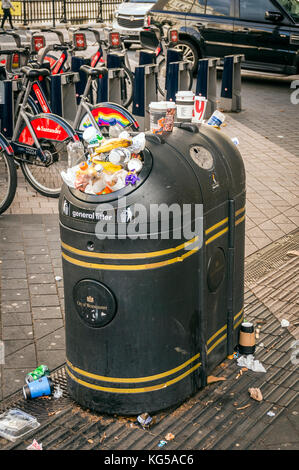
[124,190]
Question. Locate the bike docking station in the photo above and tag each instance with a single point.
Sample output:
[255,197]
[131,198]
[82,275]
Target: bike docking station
[63,94]
[177,74]
[7,90]
[231,84]
[206,84]
[145,88]
[109,86]
[76,64]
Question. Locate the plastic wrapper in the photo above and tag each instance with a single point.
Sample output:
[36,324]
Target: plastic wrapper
[138,144]
[75,153]
[115,131]
[16,423]
[69,176]
[250,363]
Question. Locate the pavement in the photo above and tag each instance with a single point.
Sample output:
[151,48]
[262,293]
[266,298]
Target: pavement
[32,307]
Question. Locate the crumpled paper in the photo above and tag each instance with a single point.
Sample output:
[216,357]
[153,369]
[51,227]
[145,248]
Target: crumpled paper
[250,363]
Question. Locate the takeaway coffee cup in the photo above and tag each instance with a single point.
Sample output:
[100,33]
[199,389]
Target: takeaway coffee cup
[199,109]
[162,116]
[184,106]
[246,338]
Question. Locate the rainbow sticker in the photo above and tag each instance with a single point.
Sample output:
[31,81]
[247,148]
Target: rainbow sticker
[110,117]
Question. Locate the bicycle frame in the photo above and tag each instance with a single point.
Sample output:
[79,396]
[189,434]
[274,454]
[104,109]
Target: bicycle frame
[25,140]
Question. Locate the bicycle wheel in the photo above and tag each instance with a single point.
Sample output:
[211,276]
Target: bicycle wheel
[161,80]
[46,177]
[126,88]
[190,53]
[8,180]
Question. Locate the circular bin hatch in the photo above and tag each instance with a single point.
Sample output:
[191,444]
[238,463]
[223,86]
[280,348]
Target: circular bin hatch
[94,302]
[216,270]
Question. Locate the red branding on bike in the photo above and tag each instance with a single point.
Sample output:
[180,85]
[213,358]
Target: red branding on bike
[40,98]
[59,64]
[51,60]
[43,128]
[95,59]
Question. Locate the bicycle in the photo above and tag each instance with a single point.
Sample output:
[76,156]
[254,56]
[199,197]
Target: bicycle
[8,176]
[159,39]
[39,142]
[111,43]
[101,115]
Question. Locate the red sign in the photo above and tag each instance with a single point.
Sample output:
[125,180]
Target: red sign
[114,39]
[38,43]
[80,41]
[174,35]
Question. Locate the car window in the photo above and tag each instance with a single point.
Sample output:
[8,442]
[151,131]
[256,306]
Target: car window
[183,6]
[255,10]
[218,7]
[199,7]
[292,7]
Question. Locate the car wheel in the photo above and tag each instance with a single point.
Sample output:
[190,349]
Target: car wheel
[190,53]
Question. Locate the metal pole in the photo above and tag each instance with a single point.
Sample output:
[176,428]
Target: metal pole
[53,13]
[25,22]
[100,14]
[64,17]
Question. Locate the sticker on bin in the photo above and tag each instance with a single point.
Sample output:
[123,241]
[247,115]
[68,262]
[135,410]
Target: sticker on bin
[76,213]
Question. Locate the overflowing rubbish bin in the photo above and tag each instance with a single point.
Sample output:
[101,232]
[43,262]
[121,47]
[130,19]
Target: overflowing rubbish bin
[154,273]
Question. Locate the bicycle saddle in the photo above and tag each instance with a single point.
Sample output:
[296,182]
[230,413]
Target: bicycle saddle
[34,74]
[92,72]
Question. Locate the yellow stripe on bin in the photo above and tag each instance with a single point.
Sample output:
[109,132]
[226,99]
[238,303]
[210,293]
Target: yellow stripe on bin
[211,229]
[216,334]
[127,256]
[239,221]
[237,324]
[132,380]
[238,314]
[240,211]
[126,267]
[217,235]
[134,390]
[216,343]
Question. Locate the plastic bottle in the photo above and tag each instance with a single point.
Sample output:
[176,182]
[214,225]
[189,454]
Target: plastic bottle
[75,153]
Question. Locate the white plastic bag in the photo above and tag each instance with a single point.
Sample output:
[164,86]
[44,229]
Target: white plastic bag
[250,363]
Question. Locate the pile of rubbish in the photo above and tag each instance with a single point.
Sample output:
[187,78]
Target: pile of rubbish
[112,164]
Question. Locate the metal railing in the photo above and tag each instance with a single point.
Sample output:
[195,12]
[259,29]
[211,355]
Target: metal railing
[65,11]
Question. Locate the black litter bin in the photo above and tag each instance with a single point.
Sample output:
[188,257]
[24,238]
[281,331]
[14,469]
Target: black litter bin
[147,319]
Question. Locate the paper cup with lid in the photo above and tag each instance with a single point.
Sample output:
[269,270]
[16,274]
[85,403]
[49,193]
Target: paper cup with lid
[162,116]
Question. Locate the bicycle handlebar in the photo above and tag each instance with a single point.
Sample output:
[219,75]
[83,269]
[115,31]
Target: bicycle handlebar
[58,33]
[16,37]
[19,50]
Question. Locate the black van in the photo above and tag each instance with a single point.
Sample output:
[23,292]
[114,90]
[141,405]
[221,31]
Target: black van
[266,31]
